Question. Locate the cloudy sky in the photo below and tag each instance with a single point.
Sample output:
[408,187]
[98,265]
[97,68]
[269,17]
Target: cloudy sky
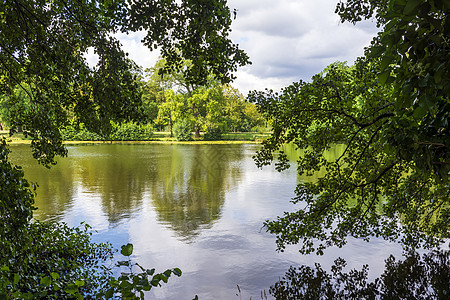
[287,40]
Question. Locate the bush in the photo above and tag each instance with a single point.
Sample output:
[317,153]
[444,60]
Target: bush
[123,132]
[40,260]
[78,132]
[51,260]
[132,132]
[183,130]
[212,133]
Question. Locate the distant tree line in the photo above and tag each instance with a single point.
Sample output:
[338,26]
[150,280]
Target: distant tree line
[170,102]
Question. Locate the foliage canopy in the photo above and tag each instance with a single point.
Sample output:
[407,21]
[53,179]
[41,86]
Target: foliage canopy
[391,111]
[45,79]
[42,46]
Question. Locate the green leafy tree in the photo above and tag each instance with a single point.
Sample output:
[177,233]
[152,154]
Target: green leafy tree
[206,107]
[171,110]
[239,114]
[49,58]
[391,180]
[234,108]
[414,52]
[157,92]
[42,47]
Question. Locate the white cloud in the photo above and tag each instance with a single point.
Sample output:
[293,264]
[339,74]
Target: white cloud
[287,40]
[136,50]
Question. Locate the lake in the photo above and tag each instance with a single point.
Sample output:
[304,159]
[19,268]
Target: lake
[197,207]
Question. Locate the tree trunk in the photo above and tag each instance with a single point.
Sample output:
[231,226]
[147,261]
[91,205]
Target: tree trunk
[197,132]
[170,124]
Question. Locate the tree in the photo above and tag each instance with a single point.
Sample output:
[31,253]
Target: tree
[391,111]
[170,110]
[240,115]
[413,49]
[42,47]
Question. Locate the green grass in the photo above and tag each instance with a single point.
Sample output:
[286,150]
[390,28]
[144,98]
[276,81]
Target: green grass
[160,137]
[245,136]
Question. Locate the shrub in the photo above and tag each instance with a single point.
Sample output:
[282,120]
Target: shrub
[78,132]
[123,132]
[132,132]
[40,260]
[183,130]
[212,133]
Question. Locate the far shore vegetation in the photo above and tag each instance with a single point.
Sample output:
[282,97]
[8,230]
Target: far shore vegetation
[161,137]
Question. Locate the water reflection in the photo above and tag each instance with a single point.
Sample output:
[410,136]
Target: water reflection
[331,154]
[186,183]
[196,207]
[191,183]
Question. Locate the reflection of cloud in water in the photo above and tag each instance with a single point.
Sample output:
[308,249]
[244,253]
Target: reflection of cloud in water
[224,242]
[180,211]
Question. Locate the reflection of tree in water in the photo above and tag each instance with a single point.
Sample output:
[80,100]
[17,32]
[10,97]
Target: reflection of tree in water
[186,182]
[190,192]
[293,154]
[52,196]
[416,277]
[120,174]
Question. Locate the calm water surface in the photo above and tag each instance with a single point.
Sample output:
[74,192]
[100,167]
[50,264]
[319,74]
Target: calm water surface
[196,207]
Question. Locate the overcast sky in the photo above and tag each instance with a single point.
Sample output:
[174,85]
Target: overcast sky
[287,40]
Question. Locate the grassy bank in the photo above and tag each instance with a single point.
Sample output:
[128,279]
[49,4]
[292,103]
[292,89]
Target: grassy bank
[159,137]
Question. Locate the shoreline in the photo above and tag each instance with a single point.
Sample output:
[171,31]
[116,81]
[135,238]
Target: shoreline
[17,140]
[28,142]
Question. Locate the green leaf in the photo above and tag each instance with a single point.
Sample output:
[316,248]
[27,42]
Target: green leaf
[46,281]
[177,272]
[54,275]
[71,289]
[79,283]
[419,112]
[383,77]
[127,249]
[164,278]
[426,102]
[411,6]
[167,273]
[385,62]
[4,268]
[376,51]
[16,279]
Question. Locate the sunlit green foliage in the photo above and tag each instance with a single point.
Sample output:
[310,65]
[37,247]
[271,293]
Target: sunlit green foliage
[212,108]
[183,130]
[391,112]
